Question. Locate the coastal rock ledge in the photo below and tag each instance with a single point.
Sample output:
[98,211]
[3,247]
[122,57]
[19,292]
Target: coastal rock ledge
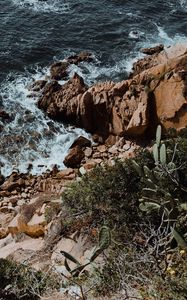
[155,93]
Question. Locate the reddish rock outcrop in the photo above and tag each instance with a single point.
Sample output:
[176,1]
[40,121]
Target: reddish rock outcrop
[155,93]
[61,102]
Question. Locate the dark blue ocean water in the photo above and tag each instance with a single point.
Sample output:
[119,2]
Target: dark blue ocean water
[34,33]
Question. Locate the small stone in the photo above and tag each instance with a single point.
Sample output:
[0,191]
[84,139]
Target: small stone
[89,165]
[123,155]
[24,195]
[21,182]
[13,200]
[96,155]
[88,152]
[4,194]
[126,147]
[102,148]
[20,202]
[64,173]
[82,171]
[9,205]
[14,193]
[111,162]
[113,150]
[97,160]
[3,233]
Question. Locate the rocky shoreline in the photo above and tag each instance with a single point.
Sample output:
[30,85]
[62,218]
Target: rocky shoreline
[120,116]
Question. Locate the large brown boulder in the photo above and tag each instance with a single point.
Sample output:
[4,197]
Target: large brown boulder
[74,158]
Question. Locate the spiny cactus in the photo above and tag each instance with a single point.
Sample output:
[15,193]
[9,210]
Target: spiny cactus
[156,196]
[159,150]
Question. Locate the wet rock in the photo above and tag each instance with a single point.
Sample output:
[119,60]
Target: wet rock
[59,70]
[82,142]
[153,50]
[4,115]
[158,58]
[2,179]
[81,57]
[74,158]
[37,85]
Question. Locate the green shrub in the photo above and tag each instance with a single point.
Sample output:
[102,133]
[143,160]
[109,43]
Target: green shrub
[108,195]
[18,281]
[142,239]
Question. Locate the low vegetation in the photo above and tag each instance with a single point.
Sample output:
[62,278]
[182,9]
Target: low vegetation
[18,281]
[143,201]
[136,214]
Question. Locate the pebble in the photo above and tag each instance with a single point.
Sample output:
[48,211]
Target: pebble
[102,148]
[20,202]
[88,152]
[113,150]
[24,195]
[126,147]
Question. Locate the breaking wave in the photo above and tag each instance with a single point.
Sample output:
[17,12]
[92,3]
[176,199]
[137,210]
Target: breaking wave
[31,138]
[56,6]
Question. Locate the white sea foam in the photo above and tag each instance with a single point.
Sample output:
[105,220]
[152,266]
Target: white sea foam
[56,6]
[183,4]
[39,140]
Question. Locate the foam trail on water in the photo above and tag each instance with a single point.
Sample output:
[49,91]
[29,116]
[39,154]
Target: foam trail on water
[30,137]
[56,6]
[183,4]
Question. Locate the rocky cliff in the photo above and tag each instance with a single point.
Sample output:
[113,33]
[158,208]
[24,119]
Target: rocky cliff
[156,92]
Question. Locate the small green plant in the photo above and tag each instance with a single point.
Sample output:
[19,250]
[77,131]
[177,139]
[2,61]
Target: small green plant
[104,243]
